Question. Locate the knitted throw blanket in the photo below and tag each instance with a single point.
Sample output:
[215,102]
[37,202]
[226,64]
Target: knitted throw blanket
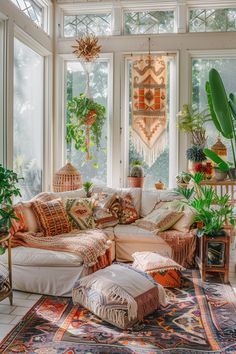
[92,246]
[183,245]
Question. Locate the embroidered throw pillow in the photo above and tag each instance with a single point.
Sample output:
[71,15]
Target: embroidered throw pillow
[159,220]
[128,212]
[80,212]
[52,217]
[114,205]
[164,270]
[184,223]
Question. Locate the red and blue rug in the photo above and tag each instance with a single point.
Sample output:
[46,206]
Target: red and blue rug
[200,318]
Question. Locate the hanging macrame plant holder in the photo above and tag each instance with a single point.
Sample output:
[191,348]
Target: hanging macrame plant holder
[149,119]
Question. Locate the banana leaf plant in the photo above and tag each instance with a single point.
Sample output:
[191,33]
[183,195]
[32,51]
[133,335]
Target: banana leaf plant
[221,164]
[222,109]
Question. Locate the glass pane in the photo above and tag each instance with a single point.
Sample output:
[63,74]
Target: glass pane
[215,254]
[160,169]
[1,91]
[212,20]
[32,9]
[200,73]
[76,84]
[28,118]
[79,25]
[149,22]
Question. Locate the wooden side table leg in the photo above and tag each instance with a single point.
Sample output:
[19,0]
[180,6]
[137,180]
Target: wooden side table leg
[11,298]
[226,277]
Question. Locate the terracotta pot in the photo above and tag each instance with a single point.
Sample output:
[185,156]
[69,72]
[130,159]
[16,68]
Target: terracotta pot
[220,175]
[136,182]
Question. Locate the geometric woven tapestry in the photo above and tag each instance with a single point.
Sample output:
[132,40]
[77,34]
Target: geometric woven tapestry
[149,120]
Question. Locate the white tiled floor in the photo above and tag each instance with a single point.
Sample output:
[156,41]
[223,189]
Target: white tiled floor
[11,315]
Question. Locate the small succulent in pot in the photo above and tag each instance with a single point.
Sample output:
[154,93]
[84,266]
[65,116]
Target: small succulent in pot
[183,179]
[137,169]
[88,188]
[196,154]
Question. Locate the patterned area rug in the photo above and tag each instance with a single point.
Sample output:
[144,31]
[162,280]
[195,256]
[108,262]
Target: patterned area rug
[200,318]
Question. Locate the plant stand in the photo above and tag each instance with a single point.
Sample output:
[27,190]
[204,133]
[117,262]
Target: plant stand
[7,286]
[213,256]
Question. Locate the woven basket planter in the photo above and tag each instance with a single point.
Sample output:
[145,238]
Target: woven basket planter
[67,178]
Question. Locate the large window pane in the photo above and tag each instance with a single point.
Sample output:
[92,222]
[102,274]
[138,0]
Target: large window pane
[76,84]
[200,74]
[1,91]
[160,168]
[212,20]
[28,118]
[32,9]
[79,25]
[148,22]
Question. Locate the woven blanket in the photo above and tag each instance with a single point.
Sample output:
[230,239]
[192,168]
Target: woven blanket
[183,246]
[118,294]
[93,246]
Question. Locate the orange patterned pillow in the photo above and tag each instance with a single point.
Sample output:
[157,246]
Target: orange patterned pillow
[18,224]
[128,213]
[163,269]
[52,217]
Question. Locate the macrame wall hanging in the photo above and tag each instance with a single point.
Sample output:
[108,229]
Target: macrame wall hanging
[149,118]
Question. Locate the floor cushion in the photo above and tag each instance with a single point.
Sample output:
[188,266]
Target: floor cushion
[163,269]
[118,294]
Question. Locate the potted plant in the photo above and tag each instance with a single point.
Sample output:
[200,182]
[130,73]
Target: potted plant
[222,168]
[213,212]
[85,122]
[223,112]
[195,155]
[88,188]
[183,179]
[8,190]
[136,178]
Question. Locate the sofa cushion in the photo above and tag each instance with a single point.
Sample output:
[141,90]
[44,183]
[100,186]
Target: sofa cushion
[51,217]
[151,197]
[80,212]
[134,234]
[159,219]
[29,217]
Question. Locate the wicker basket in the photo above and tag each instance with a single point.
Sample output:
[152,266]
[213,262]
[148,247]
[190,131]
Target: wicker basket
[67,178]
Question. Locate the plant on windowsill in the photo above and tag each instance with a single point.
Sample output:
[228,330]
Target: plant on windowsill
[213,212]
[8,190]
[85,123]
[136,178]
[223,113]
[88,188]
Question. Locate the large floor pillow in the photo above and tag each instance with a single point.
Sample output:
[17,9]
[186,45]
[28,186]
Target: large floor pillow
[164,270]
[119,294]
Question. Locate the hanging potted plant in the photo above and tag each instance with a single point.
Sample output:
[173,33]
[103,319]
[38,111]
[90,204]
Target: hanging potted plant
[136,178]
[85,123]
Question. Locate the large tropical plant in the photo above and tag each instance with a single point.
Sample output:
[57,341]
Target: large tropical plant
[212,211]
[222,109]
[85,122]
[8,190]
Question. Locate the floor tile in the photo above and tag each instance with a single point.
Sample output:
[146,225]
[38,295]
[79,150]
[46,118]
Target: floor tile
[20,294]
[6,319]
[23,302]
[4,330]
[6,309]
[17,319]
[20,310]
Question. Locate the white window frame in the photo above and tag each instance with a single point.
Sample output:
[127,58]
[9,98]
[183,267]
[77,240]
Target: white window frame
[173,132]
[60,136]
[47,108]
[3,130]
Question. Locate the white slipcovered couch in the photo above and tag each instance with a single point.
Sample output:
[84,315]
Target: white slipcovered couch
[53,272]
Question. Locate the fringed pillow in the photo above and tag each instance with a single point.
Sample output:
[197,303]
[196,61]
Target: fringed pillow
[159,220]
[164,270]
[80,212]
[119,294]
[52,217]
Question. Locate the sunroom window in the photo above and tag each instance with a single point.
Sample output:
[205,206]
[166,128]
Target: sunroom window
[148,22]
[97,24]
[32,9]
[212,20]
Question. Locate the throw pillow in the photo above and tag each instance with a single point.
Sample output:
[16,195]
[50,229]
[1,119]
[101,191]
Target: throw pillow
[80,212]
[186,221]
[18,224]
[164,270]
[44,197]
[29,217]
[114,205]
[52,217]
[102,215]
[159,220]
[128,212]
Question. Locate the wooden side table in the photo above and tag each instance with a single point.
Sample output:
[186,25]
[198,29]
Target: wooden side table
[222,187]
[7,287]
[213,256]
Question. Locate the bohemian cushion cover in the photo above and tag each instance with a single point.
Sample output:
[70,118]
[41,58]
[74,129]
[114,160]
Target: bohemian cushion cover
[80,212]
[159,220]
[52,217]
[163,269]
[119,294]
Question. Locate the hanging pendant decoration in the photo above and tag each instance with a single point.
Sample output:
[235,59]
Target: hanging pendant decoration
[149,120]
[87,48]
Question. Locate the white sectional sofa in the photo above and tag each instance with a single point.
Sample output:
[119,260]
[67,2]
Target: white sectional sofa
[54,272]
